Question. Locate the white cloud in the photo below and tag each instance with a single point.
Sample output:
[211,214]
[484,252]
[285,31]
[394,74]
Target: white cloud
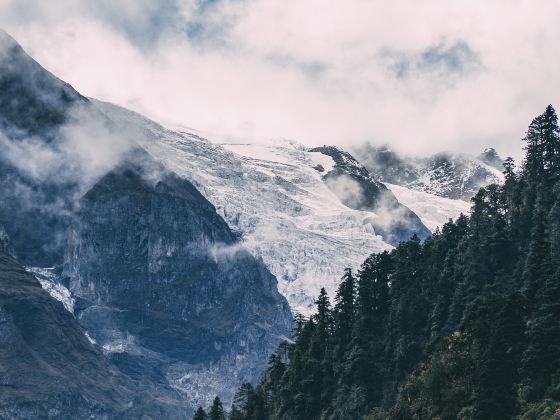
[310,70]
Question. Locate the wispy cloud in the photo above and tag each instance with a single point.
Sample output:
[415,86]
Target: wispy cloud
[442,62]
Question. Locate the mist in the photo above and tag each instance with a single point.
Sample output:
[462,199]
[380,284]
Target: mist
[462,77]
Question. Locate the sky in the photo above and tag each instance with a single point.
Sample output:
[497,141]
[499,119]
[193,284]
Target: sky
[421,77]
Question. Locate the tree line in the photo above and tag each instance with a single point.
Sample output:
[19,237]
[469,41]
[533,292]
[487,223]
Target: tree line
[465,325]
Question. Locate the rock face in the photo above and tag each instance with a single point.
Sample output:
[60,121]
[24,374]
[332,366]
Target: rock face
[150,256]
[34,104]
[51,370]
[359,190]
[447,175]
[492,158]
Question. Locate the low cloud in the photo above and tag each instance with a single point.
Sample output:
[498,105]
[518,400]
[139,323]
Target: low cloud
[348,190]
[84,149]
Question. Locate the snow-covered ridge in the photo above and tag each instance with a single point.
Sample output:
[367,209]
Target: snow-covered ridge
[456,176]
[49,282]
[277,202]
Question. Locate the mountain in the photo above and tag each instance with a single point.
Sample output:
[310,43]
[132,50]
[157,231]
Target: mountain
[455,176]
[33,104]
[152,274]
[33,101]
[465,325]
[492,158]
[51,370]
[277,199]
[167,247]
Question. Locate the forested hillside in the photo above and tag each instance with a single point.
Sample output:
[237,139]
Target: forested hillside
[463,326]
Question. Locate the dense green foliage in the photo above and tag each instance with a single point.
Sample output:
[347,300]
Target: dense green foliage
[463,326]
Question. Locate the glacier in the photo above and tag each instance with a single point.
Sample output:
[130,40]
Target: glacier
[273,196]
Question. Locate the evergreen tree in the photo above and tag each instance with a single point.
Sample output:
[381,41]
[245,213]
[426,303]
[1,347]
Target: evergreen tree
[540,366]
[509,168]
[344,311]
[200,414]
[551,144]
[538,265]
[217,410]
[323,317]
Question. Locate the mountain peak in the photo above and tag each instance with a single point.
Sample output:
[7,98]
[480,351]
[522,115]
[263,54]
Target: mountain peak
[491,157]
[32,100]
[6,41]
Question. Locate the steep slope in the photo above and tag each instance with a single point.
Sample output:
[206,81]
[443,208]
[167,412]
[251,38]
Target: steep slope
[32,100]
[164,282]
[49,368]
[44,124]
[454,176]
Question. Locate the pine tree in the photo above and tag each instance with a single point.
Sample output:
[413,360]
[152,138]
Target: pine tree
[323,317]
[509,168]
[551,143]
[496,374]
[217,410]
[236,414]
[344,310]
[200,414]
[554,223]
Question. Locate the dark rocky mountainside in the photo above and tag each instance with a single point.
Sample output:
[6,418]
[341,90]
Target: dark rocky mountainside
[359,190]
[33,101]
[36,203]
[162,278]
[49,369]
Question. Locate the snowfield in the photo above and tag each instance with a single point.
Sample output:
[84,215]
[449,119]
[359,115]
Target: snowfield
[274,197]
[432,209]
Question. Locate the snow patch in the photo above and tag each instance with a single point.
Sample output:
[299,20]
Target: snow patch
[433,210]
[49,282]
[319,159]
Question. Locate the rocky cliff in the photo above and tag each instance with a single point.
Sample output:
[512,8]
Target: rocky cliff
[51,370]
[163,281]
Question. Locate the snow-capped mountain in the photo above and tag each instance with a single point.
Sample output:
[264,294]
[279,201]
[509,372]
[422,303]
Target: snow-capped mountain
[163,248]
[456,176]
[278,199]
[144,266]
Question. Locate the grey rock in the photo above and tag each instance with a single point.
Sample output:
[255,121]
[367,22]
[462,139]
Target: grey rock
[359,190]
[49,369]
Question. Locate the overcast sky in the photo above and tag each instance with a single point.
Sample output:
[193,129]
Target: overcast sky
[421,76]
